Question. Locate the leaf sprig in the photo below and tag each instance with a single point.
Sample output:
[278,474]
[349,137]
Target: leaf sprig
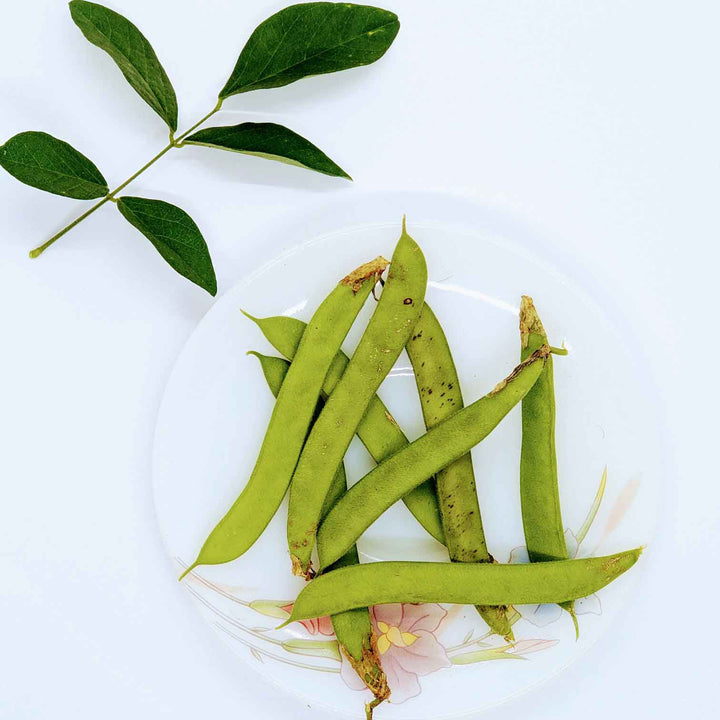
[297,42]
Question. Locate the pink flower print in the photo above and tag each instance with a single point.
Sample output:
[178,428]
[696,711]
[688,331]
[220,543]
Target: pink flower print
[407,645]
[315,626]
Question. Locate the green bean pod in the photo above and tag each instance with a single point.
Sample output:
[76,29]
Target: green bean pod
[353,628]
[539,494]
[407,468]
[290,420]
[274,369]
[379,583]
[384,338]
[440,397]
[378,430]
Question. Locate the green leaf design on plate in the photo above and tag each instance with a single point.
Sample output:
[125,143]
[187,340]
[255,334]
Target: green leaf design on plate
[43,161]
[484,656]
[311,39]
[271,608]
[313,648]
[590,519]
[271,141]
[175,236]
[132,53]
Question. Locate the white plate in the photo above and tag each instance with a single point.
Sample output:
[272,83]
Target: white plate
[216,406]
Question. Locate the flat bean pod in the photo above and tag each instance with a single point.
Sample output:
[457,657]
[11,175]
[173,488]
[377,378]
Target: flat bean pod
[539,495]
[291,417]
[459,583]
[378,430]
[440,446]
[384,338]
[353,628]
[440,397]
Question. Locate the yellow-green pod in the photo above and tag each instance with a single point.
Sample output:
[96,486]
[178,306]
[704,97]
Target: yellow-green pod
[539,494]
[292,415]
[407,468]
[556,581]
[382,342]
[353,628]
[440,397]
[378,430]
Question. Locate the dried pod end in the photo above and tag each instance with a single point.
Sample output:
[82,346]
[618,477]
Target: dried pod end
[498,620]
[370,671]
[373,269]
[300,569]
[530,323]
[541,354]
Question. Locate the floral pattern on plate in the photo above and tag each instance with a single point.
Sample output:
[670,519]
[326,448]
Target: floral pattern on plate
[409,637]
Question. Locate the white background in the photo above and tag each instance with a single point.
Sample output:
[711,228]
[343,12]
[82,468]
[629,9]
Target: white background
[597,122]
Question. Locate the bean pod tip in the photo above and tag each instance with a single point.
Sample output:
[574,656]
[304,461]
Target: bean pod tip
[530,323]
[282,626]
[300,569]
[188,570]
[368,667]
[249,316]
[573,615]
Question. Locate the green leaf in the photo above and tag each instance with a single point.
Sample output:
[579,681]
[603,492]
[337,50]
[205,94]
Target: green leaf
[311,39]
[43,161]
[271,141]
[175,236]
[132,53]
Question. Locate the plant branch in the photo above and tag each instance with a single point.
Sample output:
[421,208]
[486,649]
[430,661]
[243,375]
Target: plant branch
[174,143]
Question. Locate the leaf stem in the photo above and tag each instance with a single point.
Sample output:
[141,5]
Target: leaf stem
[110,197]
[38,251]
[178,142]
